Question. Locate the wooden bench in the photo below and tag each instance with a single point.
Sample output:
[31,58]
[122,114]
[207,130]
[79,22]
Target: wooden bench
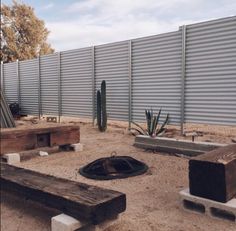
[213,174]
[17,140]
[76,199]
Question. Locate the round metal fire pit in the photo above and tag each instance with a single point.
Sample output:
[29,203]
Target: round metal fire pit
[113,168]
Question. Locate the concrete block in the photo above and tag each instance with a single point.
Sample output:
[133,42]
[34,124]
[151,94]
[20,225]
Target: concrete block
[77,147]
[225,211]
[12,158]
[42,153]
[64,222]
[171,145]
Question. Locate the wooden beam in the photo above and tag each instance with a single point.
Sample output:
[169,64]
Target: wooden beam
[16,140]
[76,199]
[213,174]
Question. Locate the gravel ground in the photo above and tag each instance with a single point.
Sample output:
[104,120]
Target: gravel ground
[152,198]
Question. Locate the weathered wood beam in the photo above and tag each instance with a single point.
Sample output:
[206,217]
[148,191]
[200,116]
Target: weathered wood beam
[213,174]
[16,140]
[76,199]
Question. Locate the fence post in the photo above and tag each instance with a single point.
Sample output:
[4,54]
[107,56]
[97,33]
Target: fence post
[2,77]
[59,85]
[183,78]
[18,82]
[39,90]
[93,84]
[130,82]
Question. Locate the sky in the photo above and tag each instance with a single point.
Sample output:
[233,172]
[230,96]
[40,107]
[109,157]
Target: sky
[82,23]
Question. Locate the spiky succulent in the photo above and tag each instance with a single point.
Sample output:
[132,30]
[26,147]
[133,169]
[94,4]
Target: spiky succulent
[152,122]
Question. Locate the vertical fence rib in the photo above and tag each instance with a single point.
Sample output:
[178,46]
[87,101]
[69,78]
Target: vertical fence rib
[59,85]
[130,82]
[183,78]
[2,76]
[93,84]
[39,90]
[18,82]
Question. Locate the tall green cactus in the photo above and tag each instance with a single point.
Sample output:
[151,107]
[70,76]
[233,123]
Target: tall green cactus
[103,105]
[101,108]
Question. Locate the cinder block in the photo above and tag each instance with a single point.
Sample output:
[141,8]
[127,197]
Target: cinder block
[42,153]
[225,211]
[12,158]
[64,222]
[77,147]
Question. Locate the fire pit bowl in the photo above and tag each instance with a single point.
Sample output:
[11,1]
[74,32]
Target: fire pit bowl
[113,167]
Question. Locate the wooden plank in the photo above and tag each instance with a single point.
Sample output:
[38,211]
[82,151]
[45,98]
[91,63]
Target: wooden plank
[213,174]
[17,140]
[76,199]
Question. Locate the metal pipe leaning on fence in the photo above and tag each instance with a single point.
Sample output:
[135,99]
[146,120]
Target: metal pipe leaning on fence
[7,120]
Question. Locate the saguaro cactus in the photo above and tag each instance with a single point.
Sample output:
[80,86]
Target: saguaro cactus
[101,108]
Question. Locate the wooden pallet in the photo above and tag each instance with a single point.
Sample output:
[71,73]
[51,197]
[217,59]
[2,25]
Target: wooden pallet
[76,199]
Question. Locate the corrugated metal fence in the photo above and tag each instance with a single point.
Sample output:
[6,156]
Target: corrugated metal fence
[189,73]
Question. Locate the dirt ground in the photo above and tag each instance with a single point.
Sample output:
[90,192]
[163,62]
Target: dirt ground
[152,198]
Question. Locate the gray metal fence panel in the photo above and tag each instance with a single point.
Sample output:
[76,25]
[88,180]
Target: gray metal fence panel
[76,81]
[49,84]
[211,72]
[152,66]
[10,82]
[29,86]
[156,75]
[1,76]
[111,65]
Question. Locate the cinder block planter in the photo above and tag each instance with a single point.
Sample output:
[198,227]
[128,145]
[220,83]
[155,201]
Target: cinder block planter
[171,145]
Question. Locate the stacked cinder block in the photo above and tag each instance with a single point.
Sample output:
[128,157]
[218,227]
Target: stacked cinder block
[212,184]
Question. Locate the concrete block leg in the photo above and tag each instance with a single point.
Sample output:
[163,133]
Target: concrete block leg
[214,209]
[77,147]
[64,222]
[12,158]
[43,153]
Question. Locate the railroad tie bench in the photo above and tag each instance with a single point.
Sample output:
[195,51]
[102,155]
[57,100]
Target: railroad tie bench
[78,200]
[212,184]
[23,139]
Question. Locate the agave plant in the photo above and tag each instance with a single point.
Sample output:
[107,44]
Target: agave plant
[152,121]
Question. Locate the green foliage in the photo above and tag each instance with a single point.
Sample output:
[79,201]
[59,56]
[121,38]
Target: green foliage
[152,122]
[101,108]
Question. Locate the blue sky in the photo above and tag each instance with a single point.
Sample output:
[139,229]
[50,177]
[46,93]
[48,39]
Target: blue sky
[74,24]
